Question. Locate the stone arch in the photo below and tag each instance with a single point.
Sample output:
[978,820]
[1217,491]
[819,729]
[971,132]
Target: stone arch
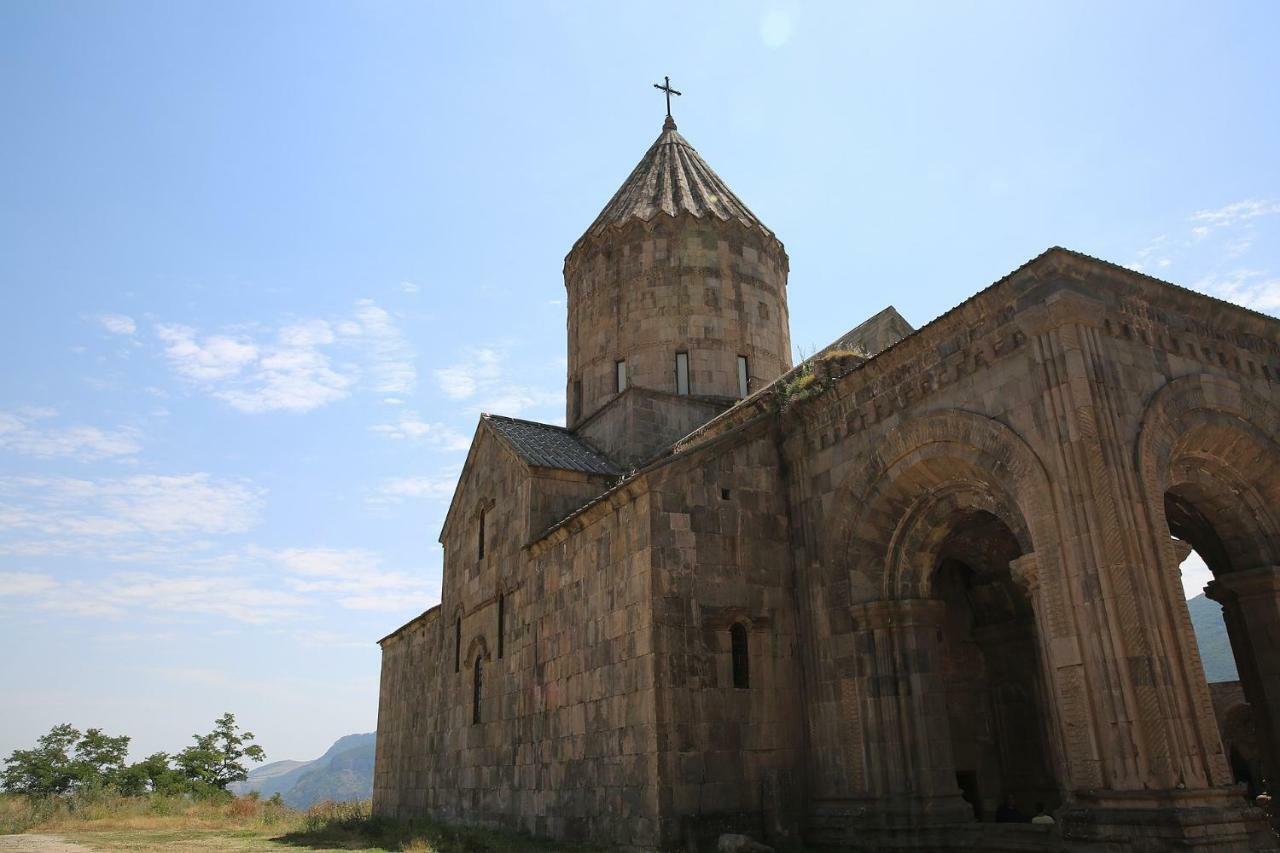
[477,648]
[1208,458]
[1207,434]
[938,463]
[904,526]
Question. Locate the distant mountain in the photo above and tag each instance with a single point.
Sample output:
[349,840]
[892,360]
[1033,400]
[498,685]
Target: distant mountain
[344,772]
[1211,636]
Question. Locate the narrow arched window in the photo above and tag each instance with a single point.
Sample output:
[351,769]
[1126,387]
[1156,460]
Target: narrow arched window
[477,688]
[502,621]
[741,663]
[457,645]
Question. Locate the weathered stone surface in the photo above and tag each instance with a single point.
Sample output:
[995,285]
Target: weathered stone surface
[868,609]
[731,843]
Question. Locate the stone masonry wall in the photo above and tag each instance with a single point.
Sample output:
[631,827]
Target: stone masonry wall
[565,741]
[729,758]
[1030,403]
[715,290]
[639,423]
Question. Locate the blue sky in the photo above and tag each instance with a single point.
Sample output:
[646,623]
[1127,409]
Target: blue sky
[264,264]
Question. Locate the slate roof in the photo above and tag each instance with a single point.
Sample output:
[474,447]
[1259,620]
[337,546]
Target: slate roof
[549,446]
[672,178]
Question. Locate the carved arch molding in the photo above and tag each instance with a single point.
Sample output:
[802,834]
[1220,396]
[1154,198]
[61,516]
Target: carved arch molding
[1211,433]
[938,465]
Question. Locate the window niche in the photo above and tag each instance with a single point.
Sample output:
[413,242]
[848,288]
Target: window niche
[502,623]
[741,656]
[457,645]
[682,373]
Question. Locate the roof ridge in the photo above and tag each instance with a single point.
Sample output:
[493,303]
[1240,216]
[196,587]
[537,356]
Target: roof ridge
[493,416]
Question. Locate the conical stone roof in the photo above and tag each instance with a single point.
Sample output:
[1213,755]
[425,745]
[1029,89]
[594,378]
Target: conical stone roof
[672,178]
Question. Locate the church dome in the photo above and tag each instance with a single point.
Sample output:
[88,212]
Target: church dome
[676,289]
[673,179]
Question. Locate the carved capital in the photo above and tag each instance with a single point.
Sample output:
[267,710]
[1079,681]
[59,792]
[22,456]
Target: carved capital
[1230,587]
[898,613]
[1026,573]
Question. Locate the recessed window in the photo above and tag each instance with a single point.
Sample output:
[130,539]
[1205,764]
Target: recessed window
[620,368]
[477,689]
[502,621]
[741,664]
[724,494]
[682,373]
[480,535]
[577,399]
[457,645]
[744,377]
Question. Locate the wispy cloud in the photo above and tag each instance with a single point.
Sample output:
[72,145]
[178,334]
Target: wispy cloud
[482,376]
[353,578]
[480,368]
[161,596]
[208,359]
[389,356]
[397,490]
[1250,288]
[410,287]
[44,515]
[117,324]
[256,586]
[1209,249]
[295,370]
[1231,214]
[409,427]
[14,584]
[24,431]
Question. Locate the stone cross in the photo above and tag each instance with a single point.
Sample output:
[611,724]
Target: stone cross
[666,87]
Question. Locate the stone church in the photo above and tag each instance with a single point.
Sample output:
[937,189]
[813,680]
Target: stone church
[865,602]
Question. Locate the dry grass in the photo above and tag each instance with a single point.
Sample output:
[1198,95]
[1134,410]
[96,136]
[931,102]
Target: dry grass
[240,825]
[111,812]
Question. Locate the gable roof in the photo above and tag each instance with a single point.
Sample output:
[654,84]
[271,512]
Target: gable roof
[549,446]
[672,178]
[873,335]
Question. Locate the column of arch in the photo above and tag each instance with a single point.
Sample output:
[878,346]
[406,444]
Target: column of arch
[1208,457]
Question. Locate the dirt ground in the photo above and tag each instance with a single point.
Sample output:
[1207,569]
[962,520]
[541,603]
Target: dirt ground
[38,844]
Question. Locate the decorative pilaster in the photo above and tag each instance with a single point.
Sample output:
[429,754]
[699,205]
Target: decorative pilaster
[1146,713]
[1250,602]
[906,740]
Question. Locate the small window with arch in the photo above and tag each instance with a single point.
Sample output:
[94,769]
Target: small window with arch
[502,622]
[741,656]
[477,689]
[457,645]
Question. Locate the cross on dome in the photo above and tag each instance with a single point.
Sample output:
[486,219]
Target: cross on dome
[666,87]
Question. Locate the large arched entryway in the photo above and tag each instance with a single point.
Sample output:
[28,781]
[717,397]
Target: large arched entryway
[1218,522]
[991,667]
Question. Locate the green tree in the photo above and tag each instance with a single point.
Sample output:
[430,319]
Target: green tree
[46,769]
[217,758]
[152,774]
[100,759]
